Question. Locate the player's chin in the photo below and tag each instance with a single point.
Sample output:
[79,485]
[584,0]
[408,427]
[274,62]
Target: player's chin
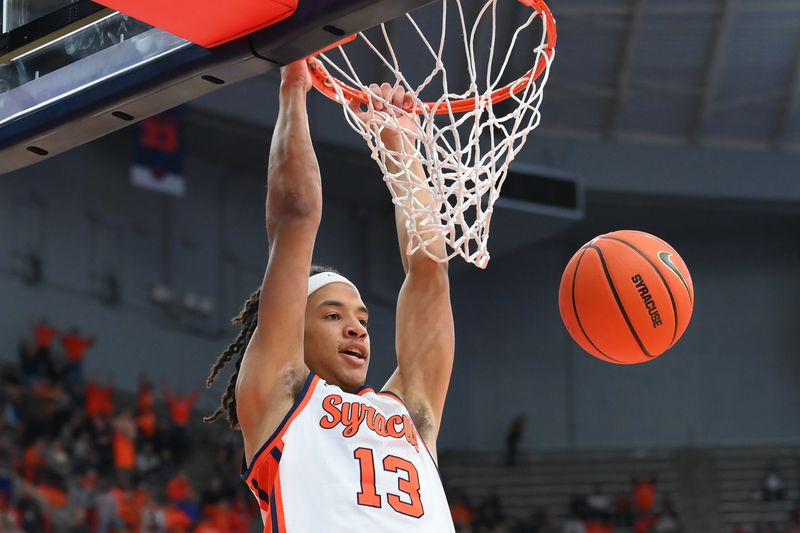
[354,377]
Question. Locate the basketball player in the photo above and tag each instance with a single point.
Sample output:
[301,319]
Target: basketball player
[324,453]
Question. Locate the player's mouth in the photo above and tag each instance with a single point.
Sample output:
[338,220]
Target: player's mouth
[355,354]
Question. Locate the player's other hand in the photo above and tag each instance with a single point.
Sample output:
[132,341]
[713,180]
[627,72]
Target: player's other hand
[296,75]
[388,99]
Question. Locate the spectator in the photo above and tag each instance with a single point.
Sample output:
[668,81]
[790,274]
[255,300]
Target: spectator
[99,399]
[772,485]
[180,410]
[644,494]
[32,516]
[33,460]
[623,510]
[145,397]
[103,438]
[573,524]
[153,519]
[179,489]
[490,514]
[57,459]
[74,346]
[107,507]
[176,520]
[538,522]
[147,461]
[9,520]
[644,522]
[212,494]
[598,526]
[147,426]
[146,420]
[130,502]
[82,496]
[180,407]
[6,485]
[124,442]
[599,504]
[516,430]
[217,521]
[83,453]
[462,512]
[668,521]
[44,334]
[52,490]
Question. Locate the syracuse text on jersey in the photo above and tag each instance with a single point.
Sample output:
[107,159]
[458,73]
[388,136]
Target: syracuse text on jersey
[353,415]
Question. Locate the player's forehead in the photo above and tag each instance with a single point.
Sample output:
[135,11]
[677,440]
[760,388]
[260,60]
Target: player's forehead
[337,295]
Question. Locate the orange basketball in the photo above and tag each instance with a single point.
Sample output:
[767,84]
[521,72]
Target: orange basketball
[626,297]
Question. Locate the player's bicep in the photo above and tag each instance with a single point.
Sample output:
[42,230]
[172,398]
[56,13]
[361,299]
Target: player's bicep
[425,340]
[274,356]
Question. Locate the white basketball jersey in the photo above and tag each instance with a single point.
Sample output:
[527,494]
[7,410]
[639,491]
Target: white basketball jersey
[342,462]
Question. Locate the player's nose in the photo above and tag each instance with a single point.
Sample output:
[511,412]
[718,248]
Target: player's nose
[355,331]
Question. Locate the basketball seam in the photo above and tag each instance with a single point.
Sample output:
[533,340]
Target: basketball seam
[619,302]
[663,280]
[575,309]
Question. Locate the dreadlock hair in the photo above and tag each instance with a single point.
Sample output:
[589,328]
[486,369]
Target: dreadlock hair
[248,320]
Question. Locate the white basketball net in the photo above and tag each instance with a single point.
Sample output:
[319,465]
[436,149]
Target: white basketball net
[465,156]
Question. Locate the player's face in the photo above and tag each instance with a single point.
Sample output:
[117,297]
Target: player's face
[336,338]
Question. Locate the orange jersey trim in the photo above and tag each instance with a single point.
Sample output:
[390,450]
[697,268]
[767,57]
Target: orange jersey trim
[300,403]
[265,464]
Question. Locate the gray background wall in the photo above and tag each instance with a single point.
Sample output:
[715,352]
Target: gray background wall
[733,215]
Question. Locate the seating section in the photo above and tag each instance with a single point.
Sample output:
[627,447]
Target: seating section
[712,490]
[740,475]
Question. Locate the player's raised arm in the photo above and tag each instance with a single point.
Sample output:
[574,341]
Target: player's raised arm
[425,340]
[273,363]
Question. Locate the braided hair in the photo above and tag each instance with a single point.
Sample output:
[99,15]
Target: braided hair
[248,320]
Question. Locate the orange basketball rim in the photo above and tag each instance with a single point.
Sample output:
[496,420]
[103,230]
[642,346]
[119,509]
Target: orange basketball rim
[324,81]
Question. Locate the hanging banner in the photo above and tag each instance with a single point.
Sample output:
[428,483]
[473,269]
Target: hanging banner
[158,154]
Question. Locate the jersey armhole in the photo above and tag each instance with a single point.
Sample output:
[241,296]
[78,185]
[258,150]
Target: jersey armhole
[299,403]
[394,395]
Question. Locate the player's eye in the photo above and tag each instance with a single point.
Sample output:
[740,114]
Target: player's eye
[363,323]
[333,316]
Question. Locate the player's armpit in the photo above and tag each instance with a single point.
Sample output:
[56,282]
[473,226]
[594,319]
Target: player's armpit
[425,344]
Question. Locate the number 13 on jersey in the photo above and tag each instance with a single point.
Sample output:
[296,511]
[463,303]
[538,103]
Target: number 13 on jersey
[407,483]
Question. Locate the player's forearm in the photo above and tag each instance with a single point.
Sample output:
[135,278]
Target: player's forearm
[294,189]
[424,202]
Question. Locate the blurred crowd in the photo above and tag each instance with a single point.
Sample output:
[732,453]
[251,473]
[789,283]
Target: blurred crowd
[633,511]
[78,456]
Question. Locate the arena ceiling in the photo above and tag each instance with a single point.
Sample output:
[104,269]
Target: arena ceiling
[705,72]
[687,71]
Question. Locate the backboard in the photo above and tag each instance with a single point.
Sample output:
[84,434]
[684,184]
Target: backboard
[73,70]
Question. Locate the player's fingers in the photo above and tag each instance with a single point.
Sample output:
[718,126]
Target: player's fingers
[376,95]
[386,92]
[408,102]
[398,93]
[354,104]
